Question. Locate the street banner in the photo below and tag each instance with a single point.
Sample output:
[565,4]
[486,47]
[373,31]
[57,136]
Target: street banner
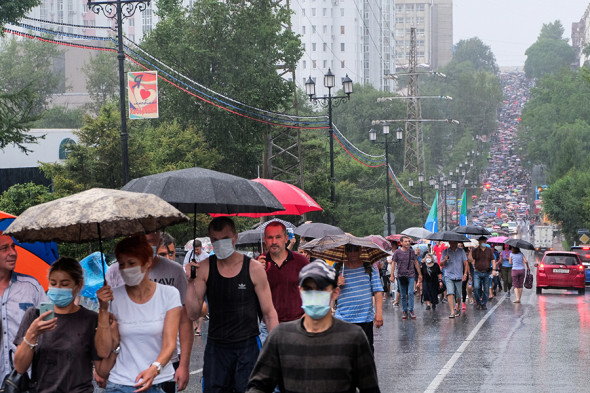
[463,216]
[143,94]
[432,221]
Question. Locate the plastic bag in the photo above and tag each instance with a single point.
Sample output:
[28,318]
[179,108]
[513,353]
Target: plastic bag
[93,274]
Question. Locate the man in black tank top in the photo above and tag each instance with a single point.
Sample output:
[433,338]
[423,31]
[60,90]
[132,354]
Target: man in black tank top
[237,291]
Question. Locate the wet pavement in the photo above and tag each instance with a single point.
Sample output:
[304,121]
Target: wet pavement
[539,345]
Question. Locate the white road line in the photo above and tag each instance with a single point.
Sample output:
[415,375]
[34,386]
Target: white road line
[196,371]
[449,365]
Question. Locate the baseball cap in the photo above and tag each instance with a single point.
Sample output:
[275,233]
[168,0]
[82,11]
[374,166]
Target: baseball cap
[320,272]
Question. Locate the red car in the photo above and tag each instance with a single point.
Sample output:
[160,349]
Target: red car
[561,270]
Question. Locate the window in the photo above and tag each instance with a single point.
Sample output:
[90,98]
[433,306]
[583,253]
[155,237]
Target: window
[409,7]
[341,11]
[313,12]
[313,47]
[342,47]
[131,21]
[399,19]
[313,29]
[304,64]
[325,29]
[419,20]
[325,46]
[64,146]
[325,12]
[342,64]
[314,64]
[419,7]
[147,19]
[341,29]
[303,29]
[399,7]
[303,45]
[409,20]
[325,64]
[303,11]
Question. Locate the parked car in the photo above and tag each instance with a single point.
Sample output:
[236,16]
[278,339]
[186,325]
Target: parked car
[561,270]
[512,227]
[584,254]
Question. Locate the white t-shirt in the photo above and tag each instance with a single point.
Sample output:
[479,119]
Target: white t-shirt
[141,328]
[189,255]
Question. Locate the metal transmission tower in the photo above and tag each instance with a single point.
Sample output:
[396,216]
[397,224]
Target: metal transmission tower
[414,145]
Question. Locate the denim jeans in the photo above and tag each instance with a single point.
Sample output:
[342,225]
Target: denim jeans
[116,388]
[407,294]
[481,285]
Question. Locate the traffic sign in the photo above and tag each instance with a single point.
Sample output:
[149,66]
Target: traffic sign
[392,218]
[583,231]
[584,239]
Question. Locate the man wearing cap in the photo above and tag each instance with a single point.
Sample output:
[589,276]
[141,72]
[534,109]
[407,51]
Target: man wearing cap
[282,270]
[317,353]
[18,292]
[484,262]
[457,266]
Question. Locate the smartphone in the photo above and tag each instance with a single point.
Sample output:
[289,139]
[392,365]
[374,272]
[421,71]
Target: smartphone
[193,272]
[44,307]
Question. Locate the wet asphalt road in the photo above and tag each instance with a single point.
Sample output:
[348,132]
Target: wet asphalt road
[539,345]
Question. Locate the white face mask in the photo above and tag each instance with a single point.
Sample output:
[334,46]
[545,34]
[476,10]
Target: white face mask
[428,260]
[132,276]
[223,248]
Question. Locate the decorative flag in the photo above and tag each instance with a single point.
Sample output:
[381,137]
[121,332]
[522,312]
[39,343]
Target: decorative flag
[432,221]
[143,94]
[463,216]
[498,213]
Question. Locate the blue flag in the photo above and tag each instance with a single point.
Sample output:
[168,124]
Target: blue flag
[432,221]
[463,216]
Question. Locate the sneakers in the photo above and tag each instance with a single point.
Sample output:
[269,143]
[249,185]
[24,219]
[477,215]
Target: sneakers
[484,307]
[412,315]
[405,315]
[428,307]
[478,306]
[395,304]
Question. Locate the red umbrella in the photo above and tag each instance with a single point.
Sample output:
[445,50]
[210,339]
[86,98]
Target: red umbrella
[33,259]
[294,199]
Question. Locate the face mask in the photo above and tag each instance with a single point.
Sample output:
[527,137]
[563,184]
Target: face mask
[132,276]
[428,260]
[316,304]
[223,248]
[61,297]
[485,245]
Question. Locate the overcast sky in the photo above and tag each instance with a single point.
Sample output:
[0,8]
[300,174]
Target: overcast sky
[509,27]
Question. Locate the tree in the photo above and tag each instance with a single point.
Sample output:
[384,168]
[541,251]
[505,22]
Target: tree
[20,197]
[476,53]
[16,118]
[11,11]
[102,78]
[549,53]
[60,117]
[232,47]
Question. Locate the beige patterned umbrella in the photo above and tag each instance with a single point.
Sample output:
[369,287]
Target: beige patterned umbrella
[332,247]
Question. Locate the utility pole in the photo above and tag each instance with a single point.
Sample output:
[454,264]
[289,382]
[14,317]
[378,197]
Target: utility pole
[413,148]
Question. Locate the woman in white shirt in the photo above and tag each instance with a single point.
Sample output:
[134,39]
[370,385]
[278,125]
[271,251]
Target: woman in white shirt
[148,316]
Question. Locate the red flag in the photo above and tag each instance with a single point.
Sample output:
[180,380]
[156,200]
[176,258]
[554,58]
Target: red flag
[498,213]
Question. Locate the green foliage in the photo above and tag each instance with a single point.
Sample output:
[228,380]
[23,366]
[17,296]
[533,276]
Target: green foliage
[474,52]
[550,53]
[60,117]
[20,197]
[232,47]
[11,11]
[16,118]
[102,79]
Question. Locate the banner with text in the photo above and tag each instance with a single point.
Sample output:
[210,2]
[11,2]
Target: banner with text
[143,94]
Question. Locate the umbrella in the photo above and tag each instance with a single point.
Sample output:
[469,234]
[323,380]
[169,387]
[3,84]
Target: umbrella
[448,236]
[395,238]
[33,259]
[520,244]
[287,224]
[295,201]
[332,247]
[380,241]
[252,236]
[420,233]
[94,214]
[207,191]
[206,245]
[472,230]
[317,229]
[498,239]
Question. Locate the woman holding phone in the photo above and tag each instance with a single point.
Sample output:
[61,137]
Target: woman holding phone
[147,315]
[59,343]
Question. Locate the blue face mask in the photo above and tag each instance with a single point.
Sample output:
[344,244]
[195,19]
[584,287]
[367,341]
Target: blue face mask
[315,304]
[61,297]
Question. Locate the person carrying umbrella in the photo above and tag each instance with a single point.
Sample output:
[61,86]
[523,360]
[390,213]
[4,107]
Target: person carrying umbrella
[457,268]
[19,292]
[484,262]
[404,259]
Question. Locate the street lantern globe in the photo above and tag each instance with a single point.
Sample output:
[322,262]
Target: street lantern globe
[330,80]
[454,185]
[441,178]
[431,181]
[310,87]
[347,85]
[436,186]
[420,177]
[462,172]
[372,135]
[385,129]
[466,182]
[399,133]
[411,182]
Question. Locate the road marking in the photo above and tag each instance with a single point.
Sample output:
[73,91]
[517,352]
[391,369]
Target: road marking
[196,371]
[449,365]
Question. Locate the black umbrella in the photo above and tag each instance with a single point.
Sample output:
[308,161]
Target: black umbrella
[252,236]
[448,236]
[472,230]
[315,230]
[520,244]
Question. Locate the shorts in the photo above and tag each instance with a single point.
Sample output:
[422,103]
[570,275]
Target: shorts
[454,287]
[116,388]
[518,278]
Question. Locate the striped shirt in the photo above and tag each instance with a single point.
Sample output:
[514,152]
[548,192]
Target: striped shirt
[337,360]
[355,302]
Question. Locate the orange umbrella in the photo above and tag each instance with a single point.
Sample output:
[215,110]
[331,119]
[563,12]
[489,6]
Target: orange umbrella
[33,259]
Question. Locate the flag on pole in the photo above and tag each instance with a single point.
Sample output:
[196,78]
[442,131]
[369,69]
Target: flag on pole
[432,221]
[463,216]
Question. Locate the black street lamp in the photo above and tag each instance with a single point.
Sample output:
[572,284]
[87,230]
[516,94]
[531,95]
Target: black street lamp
[120,9]
[421,181]
[330,82]
[373,138]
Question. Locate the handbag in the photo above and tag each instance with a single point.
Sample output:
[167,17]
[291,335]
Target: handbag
[528,280]
[443,288]
[15,383]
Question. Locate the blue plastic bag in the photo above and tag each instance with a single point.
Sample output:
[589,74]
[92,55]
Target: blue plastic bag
[93,274]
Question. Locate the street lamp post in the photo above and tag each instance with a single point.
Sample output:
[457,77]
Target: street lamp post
[119,10]
[373,138]
[421,181]
[330,82]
